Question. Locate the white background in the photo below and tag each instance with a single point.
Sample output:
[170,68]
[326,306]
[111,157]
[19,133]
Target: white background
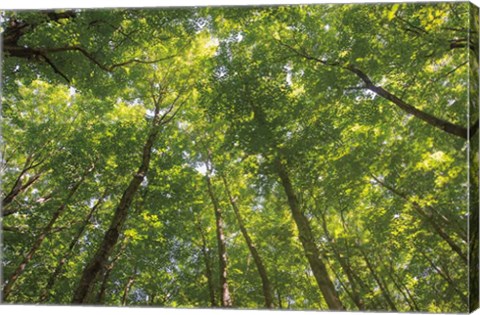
[48,4]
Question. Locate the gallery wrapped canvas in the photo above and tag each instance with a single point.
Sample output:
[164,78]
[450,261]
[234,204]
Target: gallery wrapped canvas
[304,157]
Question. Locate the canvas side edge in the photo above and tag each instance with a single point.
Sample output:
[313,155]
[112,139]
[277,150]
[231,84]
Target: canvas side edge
[473,162]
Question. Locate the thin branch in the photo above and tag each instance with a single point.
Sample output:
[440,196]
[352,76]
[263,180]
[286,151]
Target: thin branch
[55,68]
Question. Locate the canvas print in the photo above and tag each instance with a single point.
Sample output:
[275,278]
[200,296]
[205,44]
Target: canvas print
[304,157]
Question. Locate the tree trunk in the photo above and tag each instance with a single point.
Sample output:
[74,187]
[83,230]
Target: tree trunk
[58,269]
[266,286]
[100,298]
[445,276]
[372,303]
[308,241]
[38,242]
[20,187]
[222,252]
[279,299]
[208,267]
[400,288]
[127,288]
[110,239]
[346,268]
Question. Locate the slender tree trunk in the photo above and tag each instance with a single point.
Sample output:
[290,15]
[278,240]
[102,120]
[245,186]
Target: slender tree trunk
[100,298]
[110,239]
[304,230]
[400,289]
[373,304]
[222,252]
[208,267]
[347,289]
[346,268]
[19,188]
[383,288]
[107,270]
[61,262]
[400,285]
[308,241]
[279,299]
[266,286]
[41,237]
[429,218]
[127,288]
[432,120]
[410,296]
[445,276]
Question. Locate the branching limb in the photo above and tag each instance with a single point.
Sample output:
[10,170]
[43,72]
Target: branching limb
[432,120]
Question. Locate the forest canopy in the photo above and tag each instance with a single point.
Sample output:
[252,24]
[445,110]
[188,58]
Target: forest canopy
[317,157]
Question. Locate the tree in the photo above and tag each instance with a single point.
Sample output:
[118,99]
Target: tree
[290,157]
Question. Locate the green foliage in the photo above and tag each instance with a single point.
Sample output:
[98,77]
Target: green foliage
[242,91]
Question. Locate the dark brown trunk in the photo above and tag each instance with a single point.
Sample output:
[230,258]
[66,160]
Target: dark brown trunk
[308,241]
[208,267]
[41,237]
[266,286]
[100,298]
[110,239]
[222,252]
[58,269]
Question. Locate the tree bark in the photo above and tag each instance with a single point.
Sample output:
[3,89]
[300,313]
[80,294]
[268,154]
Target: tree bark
[208,267]
[222,252]
[127,288]
[308,241]
[18,186]
[110,239]
[266,286]
[16,190]
[100,298]
[41,237]
[61,262]
[305,232]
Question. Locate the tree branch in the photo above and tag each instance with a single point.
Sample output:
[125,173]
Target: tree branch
[432,120]
[41,54]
